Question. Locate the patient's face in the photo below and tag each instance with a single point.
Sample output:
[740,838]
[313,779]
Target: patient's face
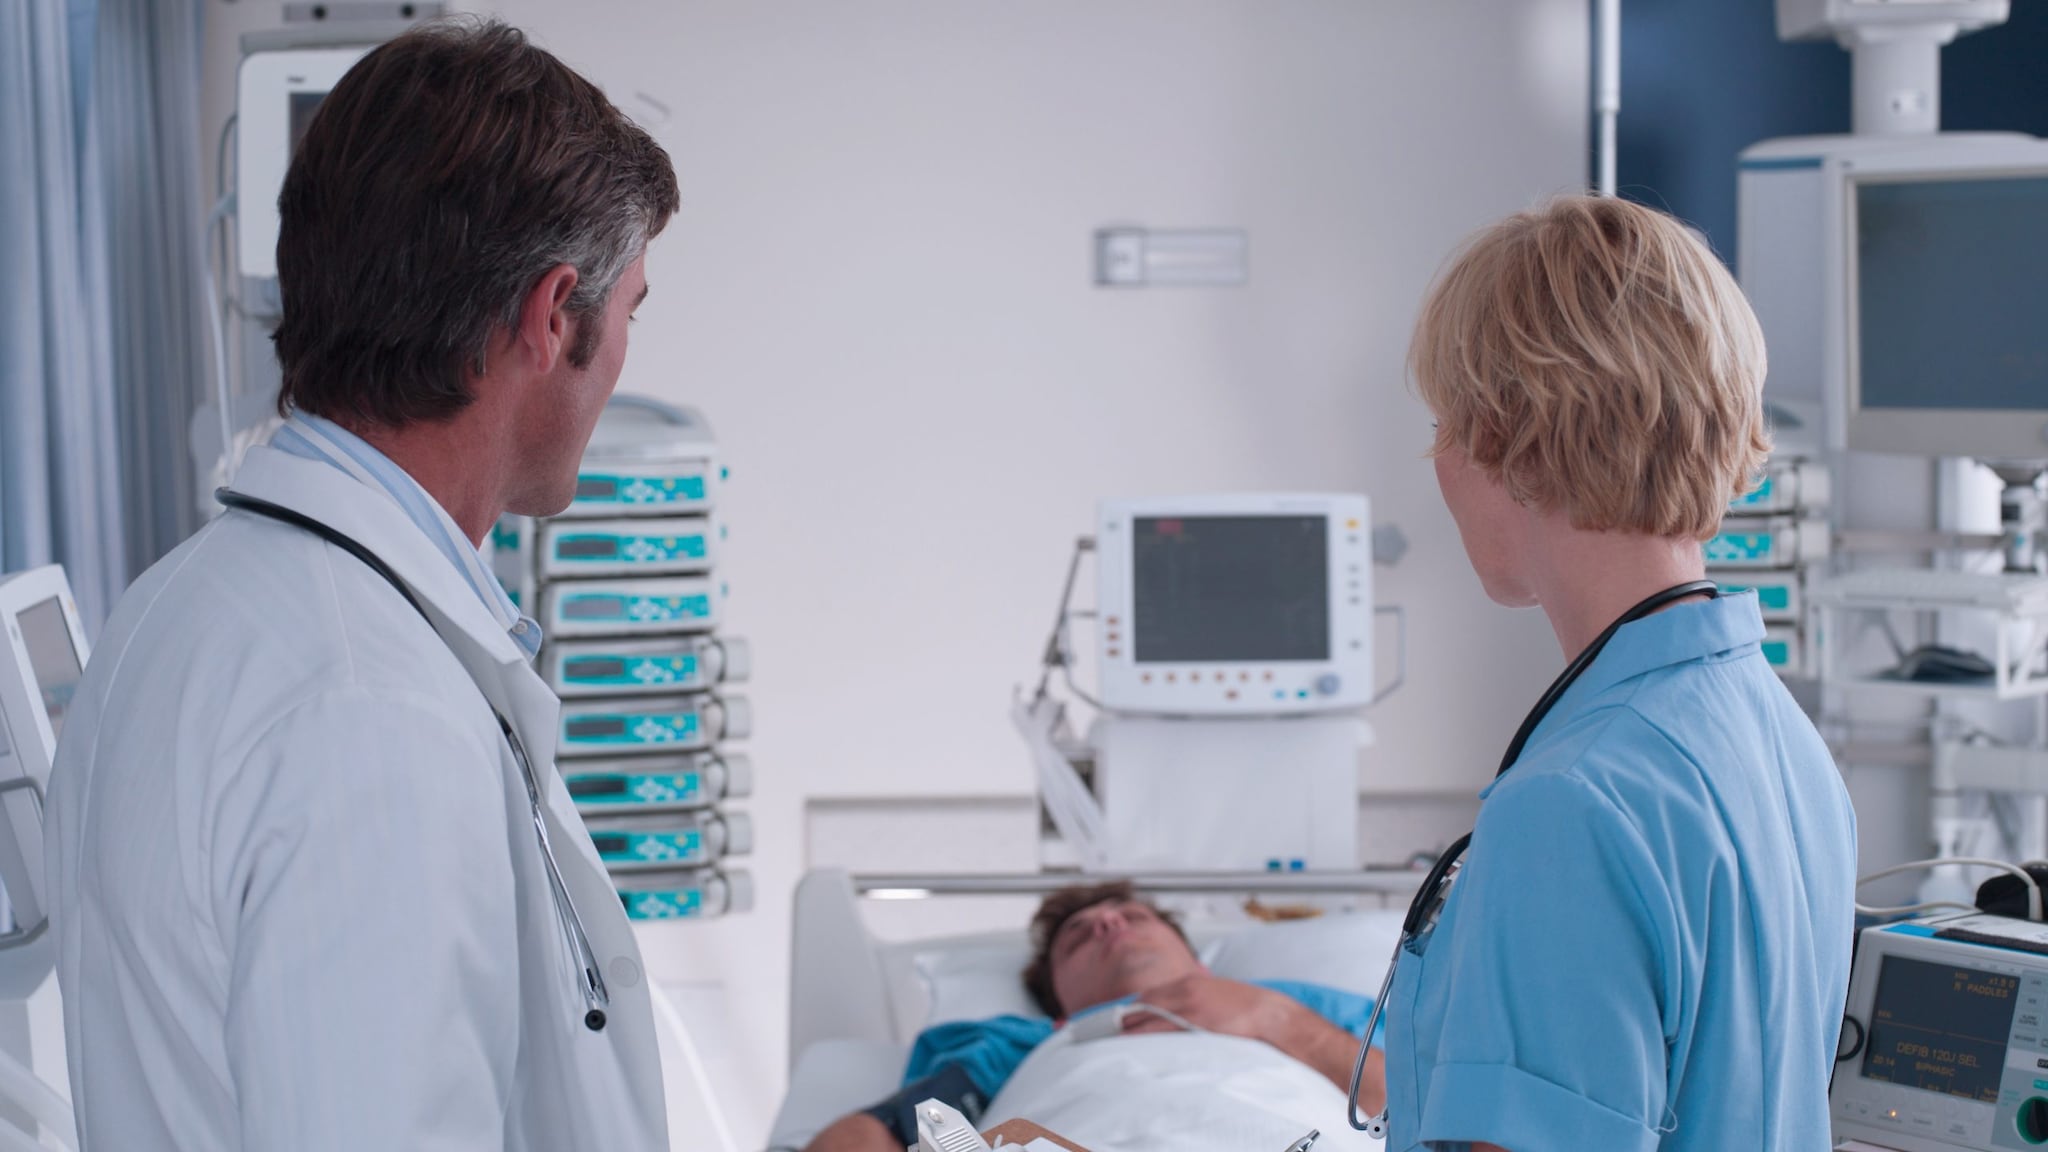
[1115,949]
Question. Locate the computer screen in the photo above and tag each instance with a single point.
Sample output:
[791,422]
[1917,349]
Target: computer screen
[1952,294]
[51,658]
[1230,589]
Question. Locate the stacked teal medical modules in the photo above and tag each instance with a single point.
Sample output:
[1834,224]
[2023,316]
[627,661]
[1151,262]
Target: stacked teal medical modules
[626,586]
[1771,540]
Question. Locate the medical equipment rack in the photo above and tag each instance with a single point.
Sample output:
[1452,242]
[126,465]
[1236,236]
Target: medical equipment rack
[2015,606]
[1775,541]
[626,585]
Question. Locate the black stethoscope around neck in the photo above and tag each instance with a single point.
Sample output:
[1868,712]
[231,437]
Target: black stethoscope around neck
[1435,889]
[596,997]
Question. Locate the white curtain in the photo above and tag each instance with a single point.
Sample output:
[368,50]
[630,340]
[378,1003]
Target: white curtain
[102,354]
[146,90]
[60,472]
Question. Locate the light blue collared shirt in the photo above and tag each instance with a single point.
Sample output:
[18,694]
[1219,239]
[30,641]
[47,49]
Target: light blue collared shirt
[311,437]
[1648,945]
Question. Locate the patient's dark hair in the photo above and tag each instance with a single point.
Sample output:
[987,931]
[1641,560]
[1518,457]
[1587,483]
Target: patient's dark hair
[1052,915]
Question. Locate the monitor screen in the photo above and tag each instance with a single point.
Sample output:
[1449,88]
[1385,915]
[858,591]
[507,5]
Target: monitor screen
[1211,589]
[303,105]
[1951,291]
[1941,1027]
[51,657]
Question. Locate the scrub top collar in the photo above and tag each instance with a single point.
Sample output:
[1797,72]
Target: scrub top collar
[1677,635]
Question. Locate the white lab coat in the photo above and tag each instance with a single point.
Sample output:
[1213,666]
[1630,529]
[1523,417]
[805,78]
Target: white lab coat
[298,899]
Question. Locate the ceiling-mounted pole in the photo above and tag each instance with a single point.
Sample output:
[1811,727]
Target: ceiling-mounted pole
[1607,88]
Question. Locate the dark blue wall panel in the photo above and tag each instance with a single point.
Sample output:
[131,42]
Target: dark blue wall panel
[1703,79]
[1998,78]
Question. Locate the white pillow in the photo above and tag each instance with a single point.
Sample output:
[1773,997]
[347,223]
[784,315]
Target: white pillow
[1348,951]
[973,978]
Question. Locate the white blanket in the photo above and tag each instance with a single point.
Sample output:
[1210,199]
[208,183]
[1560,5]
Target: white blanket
[1175,1092]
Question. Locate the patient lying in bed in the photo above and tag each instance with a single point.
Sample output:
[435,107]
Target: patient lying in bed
[1113,1065]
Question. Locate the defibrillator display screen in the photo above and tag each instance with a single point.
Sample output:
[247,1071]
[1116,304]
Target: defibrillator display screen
[1941,1027]
[52,658]
[1228,589]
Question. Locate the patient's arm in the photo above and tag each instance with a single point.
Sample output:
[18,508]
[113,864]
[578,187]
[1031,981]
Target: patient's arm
[1257,1013]
[859,1132]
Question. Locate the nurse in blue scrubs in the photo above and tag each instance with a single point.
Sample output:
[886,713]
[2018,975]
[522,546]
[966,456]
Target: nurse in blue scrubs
[1647,943]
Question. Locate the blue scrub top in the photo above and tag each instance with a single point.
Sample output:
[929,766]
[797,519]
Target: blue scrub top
[1648,945]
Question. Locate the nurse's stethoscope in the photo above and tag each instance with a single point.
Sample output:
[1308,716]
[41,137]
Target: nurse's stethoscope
[595,998]
[1429,899]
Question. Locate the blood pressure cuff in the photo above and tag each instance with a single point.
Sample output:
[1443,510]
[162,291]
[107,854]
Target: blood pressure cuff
[949,1085]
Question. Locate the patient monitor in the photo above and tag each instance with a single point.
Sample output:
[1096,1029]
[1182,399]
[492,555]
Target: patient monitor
[1233,656]
[1899,284]
[277,92]
[41,664]
[284,75]
[1249,605]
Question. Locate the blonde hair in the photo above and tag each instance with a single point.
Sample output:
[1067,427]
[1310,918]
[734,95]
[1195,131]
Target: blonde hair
[1595,357]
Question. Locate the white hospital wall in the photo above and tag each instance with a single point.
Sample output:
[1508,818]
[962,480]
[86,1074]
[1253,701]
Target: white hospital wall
[879,290]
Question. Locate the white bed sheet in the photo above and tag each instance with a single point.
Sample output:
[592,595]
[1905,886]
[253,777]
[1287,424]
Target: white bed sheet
[849,1059]
[1176,1092]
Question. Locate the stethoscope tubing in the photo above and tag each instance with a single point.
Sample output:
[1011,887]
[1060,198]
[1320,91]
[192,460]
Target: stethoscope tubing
[596,997]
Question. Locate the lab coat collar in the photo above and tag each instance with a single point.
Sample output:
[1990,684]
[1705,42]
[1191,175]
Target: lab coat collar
[350,507]
[1677,635]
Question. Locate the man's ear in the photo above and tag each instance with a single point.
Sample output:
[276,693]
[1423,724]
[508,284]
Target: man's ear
[546,328]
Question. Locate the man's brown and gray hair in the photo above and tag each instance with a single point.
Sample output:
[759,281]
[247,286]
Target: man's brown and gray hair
[445,174]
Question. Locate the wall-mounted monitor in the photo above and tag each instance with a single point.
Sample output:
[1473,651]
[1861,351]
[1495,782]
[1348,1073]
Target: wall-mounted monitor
[1903,284]
[1948,310]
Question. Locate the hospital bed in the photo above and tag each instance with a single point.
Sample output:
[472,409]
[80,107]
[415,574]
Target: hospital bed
[858,1002]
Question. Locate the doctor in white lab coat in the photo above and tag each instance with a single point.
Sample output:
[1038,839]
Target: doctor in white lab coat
[299,895]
